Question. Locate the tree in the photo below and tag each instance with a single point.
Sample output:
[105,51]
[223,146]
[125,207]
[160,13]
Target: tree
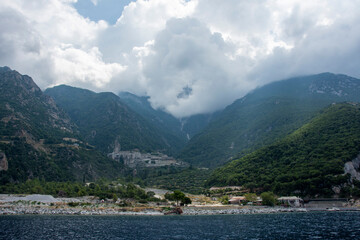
[250,197]
[169,196]
[224,199]
[81,193]
[178,196]
[268,198]
[114,197]
[150,194]
[186,201]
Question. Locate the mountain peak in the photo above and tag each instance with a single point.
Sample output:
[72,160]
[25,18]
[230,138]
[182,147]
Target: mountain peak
[5,69]
[33,133]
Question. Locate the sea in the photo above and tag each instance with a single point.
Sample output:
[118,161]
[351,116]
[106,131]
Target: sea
[309,225]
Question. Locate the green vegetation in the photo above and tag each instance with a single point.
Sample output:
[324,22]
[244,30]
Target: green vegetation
[105,122]
[266,115]
[224,199]
[39,140]
[102,189]
[268,198]
[250,197]
[26,162]
[32,133]
[178,196]
[308,162]
[165,122]
[189,180]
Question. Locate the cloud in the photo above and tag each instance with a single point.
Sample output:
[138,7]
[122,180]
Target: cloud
[325,41]
[139,23]
[95,2]
[187,69]
[190,57]
[51,42]
[87,68]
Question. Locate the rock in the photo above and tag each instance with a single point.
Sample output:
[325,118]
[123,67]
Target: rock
[3,162]
[353,168]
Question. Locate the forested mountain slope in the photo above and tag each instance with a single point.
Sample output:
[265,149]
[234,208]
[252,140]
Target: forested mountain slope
[107,123]
[39,140]
[267,114]
[308,162]
[184,128]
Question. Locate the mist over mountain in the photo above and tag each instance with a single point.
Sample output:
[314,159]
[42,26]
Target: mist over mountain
[267,114]
[185,128]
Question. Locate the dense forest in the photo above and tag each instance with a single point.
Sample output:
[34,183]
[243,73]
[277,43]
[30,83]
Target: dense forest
[267,114]
[310,161]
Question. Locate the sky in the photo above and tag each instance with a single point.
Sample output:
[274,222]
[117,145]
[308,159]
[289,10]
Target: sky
[189,57]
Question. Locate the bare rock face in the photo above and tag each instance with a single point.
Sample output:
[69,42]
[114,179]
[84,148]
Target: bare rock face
[353,168]
[3,162]
[117,146]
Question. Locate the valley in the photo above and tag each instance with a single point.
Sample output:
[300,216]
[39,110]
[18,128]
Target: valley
[299,136]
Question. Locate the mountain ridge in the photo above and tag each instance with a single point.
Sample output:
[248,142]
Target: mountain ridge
[266,114]
[309,161]
[39,140]
[183,128]
[106,122]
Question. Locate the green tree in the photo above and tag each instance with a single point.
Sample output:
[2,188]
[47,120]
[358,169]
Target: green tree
[186,201]
[268,198]
[224,199]
[178,196]
[169,196]
[114,197]
[81,192]
[250,197]
[150,194]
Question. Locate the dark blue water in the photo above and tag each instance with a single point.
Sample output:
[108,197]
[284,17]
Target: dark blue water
[320,225]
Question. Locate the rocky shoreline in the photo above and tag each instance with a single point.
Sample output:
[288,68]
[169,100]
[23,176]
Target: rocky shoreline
[47,205]
[21,210]
[48,210]
[249,210]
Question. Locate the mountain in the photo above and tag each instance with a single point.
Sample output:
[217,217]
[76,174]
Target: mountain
[308,162]
[163,121]
[38,139]
[184,128]
[196,123]
[107,123]
[265,115]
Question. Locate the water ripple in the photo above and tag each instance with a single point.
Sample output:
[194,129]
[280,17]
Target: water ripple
[320,225]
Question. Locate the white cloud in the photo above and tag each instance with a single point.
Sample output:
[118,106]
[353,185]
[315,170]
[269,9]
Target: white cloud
[139,23]
[50,41]
[95,2]
[189,56]
[86,67]
[188,71]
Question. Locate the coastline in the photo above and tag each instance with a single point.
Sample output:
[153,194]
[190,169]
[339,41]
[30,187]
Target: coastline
[48,205]
[17,209]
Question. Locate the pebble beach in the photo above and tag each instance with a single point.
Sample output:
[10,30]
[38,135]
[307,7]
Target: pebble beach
[48,205]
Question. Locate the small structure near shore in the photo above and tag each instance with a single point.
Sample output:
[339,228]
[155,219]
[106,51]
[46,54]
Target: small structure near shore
[237,200]
[291,201]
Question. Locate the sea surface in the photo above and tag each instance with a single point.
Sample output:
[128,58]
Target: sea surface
[313,225]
